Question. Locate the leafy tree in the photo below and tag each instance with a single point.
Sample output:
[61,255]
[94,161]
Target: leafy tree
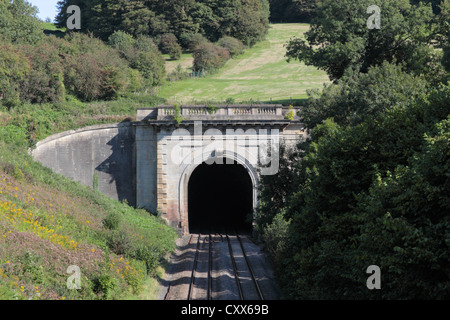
[357,96]
[169,45]
[292,10]
[246,20]
[406,217]
[367,191]
[19,23]
[339,38]
[191,40]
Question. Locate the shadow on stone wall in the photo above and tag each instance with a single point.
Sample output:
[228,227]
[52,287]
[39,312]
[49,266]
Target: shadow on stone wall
[118,170]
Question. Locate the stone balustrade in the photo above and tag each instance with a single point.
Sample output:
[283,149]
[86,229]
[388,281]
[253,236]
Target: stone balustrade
[212,112]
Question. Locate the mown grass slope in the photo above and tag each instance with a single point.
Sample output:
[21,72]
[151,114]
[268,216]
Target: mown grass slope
[260,74]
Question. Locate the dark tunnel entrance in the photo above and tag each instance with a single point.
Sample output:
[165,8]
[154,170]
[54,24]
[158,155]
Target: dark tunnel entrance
[220,199]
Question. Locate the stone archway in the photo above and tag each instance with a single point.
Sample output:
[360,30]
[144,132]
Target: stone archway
[220,198]
[188,170]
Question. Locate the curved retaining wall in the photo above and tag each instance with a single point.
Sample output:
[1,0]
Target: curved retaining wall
[106,151]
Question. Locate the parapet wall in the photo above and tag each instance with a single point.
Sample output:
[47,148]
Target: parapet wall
[105,152]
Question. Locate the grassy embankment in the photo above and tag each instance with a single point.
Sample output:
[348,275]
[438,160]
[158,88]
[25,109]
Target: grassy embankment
[260,74]
[48,223]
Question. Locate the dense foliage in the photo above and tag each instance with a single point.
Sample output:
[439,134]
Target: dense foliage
[246,20]
[79,65]
[292,10]
[209,57]
[370,187]
[18,22]
[339,37]
[39,69]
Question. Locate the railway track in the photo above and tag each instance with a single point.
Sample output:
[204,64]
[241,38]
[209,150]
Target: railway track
[221,269]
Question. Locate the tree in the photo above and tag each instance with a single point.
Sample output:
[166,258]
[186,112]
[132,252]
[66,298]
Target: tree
[339,38]
[19,23]
[292,10]
[169,45]
[369,189]
[246,20]
[358,96]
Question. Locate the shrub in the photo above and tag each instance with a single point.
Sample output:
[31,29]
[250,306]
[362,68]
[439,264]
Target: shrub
[45,82]
[191,41]
[121,41]
[169,45]
[105,285]
[112,221]
[142,55]
[276,236]
[210,57]
[14,68]
[93,70]
[233,45]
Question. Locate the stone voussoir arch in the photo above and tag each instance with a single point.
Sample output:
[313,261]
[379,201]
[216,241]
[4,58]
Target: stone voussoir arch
[188,169]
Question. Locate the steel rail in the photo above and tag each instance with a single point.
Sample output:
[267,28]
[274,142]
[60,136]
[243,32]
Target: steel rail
[209,294]
[255,281]
[236,275]
[194,269]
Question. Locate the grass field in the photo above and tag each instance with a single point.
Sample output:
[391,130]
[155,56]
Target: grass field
[260,74]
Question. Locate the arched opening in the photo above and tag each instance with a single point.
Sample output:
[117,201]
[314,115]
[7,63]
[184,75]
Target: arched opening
[220,198]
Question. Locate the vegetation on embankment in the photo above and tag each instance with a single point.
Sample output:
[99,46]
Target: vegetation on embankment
[48,223]
[370,186]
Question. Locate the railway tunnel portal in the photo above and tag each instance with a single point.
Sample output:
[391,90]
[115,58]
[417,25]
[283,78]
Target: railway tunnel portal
[198,166]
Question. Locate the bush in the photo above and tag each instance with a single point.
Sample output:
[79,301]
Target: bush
[94,71]
[169,45]
[45,82]
[276,236]
[142,55]
[105,285]
[14,68]
[112,221]
[121,41]
[210,57]
[191,41]
[233,45]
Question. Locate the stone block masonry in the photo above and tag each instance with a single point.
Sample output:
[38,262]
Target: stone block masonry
[134,161]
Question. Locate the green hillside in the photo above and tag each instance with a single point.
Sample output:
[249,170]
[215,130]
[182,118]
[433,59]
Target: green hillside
[260,74]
